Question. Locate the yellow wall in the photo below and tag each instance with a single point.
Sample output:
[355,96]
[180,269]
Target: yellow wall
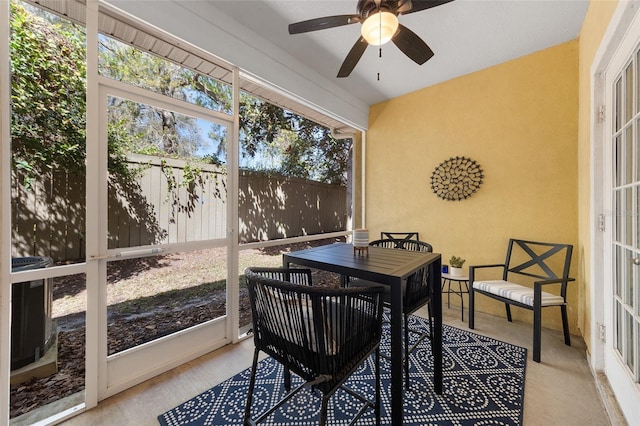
[519,121]
[595,23]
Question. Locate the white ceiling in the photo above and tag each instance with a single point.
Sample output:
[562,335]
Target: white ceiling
[466,36]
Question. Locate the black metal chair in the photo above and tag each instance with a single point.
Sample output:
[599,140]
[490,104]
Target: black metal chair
[384,235]
[321,334]
[544,264]
[417,294]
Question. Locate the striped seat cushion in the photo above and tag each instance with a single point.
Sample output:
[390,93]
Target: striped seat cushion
[516,292]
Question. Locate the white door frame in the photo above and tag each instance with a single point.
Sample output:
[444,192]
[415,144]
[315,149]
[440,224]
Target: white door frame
[5,211]
[601,215]
[121,371]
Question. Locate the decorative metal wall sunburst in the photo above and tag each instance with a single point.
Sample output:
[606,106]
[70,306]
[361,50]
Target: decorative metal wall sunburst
[456,178]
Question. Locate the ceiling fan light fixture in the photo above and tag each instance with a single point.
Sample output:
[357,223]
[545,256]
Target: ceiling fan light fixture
[379,28]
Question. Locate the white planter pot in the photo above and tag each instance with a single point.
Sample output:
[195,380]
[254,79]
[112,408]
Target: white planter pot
[360,238]
[456,272]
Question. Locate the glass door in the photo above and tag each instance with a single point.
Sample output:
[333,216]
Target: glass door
[164,261]
[622,305]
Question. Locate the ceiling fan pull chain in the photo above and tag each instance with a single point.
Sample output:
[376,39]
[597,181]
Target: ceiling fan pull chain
[379,56]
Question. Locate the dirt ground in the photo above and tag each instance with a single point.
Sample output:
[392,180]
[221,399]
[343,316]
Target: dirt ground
[174,311]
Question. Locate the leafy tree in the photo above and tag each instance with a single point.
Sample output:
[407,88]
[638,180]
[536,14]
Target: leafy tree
[48,94]
[48,105]
[326,158]
[305,149]
[158,131]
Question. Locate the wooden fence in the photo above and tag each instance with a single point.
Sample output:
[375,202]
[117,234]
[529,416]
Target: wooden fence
[48,219]
[159,207]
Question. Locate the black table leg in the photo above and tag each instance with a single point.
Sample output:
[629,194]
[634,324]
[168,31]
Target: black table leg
[397,384]
[435,276]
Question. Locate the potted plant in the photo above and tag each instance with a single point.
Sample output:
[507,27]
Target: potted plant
[455,266]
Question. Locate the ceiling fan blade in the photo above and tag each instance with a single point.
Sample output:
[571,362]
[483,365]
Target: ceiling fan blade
[353,57]
[322,23]
[410,6]
[404,6]
[412,45]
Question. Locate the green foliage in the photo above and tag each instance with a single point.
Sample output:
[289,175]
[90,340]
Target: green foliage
[303,148]
[47,94]
[48,100]
[456,262]
[158,131]
[191,177]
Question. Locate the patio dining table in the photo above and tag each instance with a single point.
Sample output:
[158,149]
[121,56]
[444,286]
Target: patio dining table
[389,267]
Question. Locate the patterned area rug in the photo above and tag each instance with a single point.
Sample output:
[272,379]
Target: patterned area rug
[483,385]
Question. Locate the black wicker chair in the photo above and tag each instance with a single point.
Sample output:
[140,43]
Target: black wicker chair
[401,243]
[321,334]
[417,293]
[292,275]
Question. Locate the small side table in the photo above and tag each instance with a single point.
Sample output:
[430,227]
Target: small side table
[463,287]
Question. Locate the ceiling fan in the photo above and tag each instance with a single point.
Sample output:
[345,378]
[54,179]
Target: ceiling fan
[379,19]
